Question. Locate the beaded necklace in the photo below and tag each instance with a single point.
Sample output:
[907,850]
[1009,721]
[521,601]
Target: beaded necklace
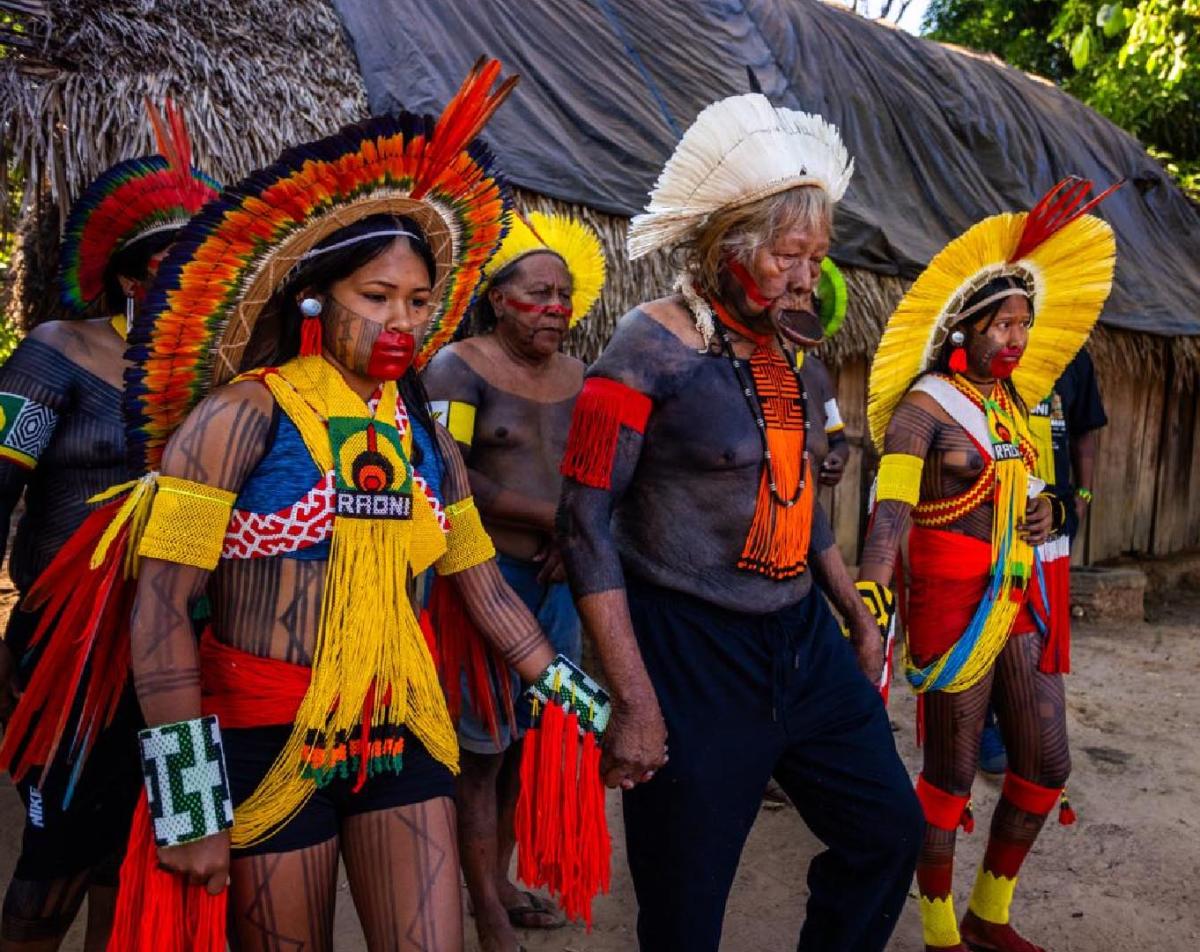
[750,393]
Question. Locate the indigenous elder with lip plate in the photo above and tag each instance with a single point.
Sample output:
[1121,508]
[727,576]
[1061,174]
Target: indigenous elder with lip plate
[982,334]
[61,442]
[306,494]
[506,395]
[690,534]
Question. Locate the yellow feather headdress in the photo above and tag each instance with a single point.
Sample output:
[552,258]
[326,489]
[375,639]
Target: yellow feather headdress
[575,242]
[1064,256]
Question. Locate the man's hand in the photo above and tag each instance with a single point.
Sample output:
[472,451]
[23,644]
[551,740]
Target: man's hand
[833,467]
[868,646]
[635,743]
[552,570]
[8,684]
[1038,518]
[203,862]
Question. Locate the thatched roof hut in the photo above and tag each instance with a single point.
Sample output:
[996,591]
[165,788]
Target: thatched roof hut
[942,138]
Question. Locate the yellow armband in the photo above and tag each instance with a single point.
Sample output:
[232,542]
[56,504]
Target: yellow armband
[468,544]
[899,478]
[455,416]
[187,523]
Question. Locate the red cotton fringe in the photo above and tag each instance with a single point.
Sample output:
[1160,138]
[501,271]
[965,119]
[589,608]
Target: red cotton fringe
[310,337]
[85,612]
[563,843]
[1056,655]
[777,543]
[459,647]
[603,407]
[158,911]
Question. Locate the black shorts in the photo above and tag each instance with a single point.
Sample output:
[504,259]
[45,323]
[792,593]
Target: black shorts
[69,829]
[250,751]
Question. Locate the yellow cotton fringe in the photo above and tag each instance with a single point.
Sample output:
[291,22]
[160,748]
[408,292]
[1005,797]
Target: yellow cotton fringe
[469,544]
[1012,488]
[1040,436]
[135,510]
[367,633]
[187,523]
[1072,274]
[899,478]
[992,896]
[939,924]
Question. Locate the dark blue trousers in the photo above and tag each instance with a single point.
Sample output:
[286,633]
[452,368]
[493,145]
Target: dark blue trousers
[745,698]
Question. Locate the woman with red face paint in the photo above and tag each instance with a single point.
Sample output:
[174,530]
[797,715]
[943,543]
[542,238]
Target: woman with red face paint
[305,494]
[1000,312]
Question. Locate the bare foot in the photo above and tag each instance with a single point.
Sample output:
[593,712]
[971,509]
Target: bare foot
[496,933]
[528,910]
[983,936]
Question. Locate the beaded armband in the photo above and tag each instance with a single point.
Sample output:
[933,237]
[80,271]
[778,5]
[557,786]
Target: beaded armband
[899,478]
[187,788]
[467,543]
[26,428]
[457,417]
[1058,512]
[187,523]
[568,684]
[880,602]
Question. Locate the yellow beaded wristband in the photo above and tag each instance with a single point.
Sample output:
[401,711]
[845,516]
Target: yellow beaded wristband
[468,543]
[899,478]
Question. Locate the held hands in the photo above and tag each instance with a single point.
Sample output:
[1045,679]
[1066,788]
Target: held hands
[1038,521]
[203,862]
[635,743]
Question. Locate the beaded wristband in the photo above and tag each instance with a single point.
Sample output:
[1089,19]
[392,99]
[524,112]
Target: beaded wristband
[568,684]
[1084,494]
[187,789]
[880,602]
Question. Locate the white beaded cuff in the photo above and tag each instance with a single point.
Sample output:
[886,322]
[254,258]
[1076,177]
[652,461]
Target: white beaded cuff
[188,791]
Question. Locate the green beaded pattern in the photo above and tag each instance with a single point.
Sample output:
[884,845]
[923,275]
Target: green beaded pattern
[187,788]
[568,684]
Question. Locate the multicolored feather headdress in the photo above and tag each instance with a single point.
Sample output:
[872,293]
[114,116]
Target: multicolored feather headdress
[572,240]
[132,200]
[1062,255]
[232,258]
[738,150]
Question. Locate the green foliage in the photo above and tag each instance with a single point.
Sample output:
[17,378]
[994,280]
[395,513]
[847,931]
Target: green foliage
[1137,61]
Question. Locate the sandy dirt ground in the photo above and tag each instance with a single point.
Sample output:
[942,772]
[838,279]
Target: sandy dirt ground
[1115,882]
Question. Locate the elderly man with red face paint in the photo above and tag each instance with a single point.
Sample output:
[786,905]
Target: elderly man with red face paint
[506,395]
[982,334]
[691,538]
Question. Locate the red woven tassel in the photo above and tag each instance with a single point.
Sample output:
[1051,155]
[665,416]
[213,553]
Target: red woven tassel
[85,612]
[958,360]
[563,843]
[1066,815]
[968,819]
[603,407]
[460,647]
[311,340]
[1056,655]
[158,911]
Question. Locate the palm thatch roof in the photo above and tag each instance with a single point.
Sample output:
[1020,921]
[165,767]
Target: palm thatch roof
[256,77]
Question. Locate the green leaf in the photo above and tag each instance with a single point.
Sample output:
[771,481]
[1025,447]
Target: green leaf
[1081,48]
[1111,18]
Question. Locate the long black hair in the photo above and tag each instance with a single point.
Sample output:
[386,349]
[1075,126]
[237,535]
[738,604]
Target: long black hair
[320,273]
[132,261]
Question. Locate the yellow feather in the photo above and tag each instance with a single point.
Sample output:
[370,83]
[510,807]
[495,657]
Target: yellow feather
[570,239]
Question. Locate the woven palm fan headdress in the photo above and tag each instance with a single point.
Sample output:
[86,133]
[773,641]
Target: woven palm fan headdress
[570,239]
[229,262]
[1062,259]
[129,202]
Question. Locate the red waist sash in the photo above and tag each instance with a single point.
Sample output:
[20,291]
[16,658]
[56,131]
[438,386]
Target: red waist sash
[245,690]
[948,578]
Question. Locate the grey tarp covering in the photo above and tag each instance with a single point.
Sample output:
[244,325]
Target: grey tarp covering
[941,138]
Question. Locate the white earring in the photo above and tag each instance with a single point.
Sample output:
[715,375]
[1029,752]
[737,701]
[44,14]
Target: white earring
[957,338]
[310,307]
[128,309]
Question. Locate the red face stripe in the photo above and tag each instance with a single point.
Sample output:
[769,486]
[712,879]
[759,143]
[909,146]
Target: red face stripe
[748,284]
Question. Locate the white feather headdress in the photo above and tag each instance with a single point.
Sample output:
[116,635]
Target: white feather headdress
[737,151]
